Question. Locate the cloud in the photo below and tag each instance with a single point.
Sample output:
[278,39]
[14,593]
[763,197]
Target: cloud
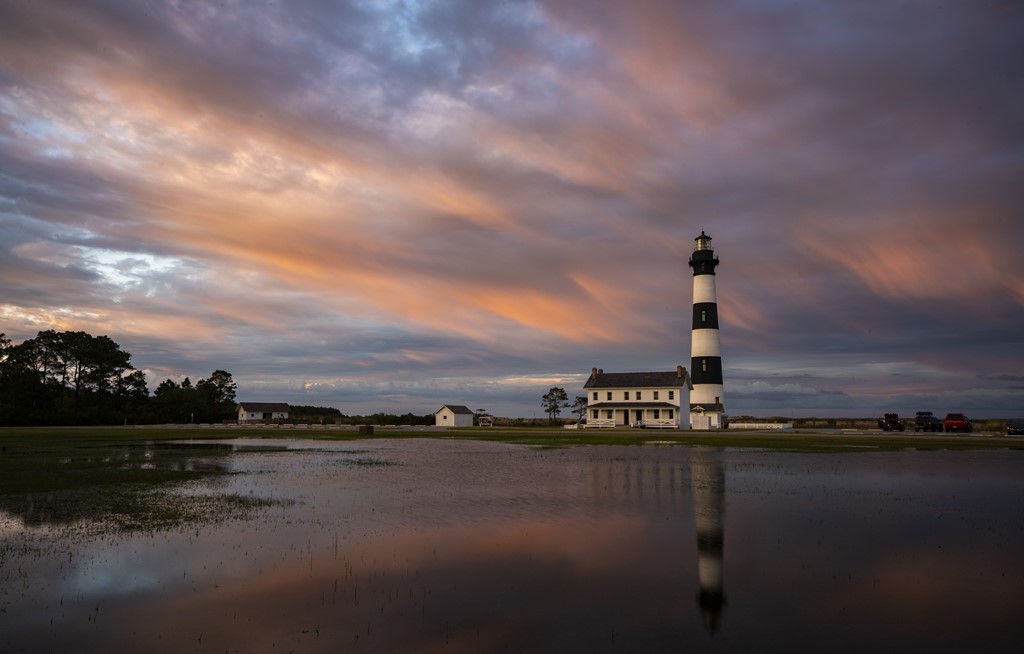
[513,189]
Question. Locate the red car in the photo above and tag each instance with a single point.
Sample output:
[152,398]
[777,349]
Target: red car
[958,422]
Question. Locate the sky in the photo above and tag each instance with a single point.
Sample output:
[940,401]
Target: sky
[395,205]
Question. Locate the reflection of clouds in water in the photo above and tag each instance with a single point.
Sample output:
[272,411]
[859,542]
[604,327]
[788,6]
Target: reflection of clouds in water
[116,574]
[10,524]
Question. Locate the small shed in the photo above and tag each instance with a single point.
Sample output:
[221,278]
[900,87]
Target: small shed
[262,411]
[453,415]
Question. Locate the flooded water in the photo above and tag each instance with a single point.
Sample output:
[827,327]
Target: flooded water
[456,546]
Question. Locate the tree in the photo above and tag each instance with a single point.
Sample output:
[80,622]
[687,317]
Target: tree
[554,401]
[217,394]
[66,378]
[209,400]
[579,408]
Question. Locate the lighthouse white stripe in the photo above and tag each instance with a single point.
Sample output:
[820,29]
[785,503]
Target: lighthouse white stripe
[704,288]
[706,393]
[705,343]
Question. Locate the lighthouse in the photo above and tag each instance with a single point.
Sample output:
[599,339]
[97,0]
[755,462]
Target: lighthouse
[707,410]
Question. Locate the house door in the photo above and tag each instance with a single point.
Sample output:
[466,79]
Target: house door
[639,415]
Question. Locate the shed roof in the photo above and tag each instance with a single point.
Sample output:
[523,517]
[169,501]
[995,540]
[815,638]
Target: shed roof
[457,409]
[264,407]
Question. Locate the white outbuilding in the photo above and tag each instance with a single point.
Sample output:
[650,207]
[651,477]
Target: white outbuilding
[453,415]
[262,411]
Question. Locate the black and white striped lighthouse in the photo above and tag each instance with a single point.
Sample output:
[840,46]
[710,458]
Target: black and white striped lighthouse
[707,410]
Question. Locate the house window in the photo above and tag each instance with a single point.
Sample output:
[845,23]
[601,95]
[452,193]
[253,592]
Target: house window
[595,396]
[655,394]
[595,413]
[671,395]
[657,414]
[638,395]
[671,414]
[625,395]
[608,414]
[609,396]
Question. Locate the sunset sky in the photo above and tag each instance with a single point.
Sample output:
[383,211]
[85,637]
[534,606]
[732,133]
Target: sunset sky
[390,206]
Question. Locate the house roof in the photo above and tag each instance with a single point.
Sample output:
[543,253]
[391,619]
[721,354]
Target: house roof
[264,407]
[457,409]
[671,379]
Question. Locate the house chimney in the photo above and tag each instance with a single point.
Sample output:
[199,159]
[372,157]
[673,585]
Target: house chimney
[680,372]
[593,373]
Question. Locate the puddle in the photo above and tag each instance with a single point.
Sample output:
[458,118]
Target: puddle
[448,545]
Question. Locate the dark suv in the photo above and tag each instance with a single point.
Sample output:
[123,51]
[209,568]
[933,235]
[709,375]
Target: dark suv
[958,422]
[925,421]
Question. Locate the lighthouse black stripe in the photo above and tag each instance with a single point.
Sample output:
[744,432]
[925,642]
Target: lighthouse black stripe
[705,315]
[706,370]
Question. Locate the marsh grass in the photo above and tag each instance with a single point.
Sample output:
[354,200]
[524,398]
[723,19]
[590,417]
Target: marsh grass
[120,480]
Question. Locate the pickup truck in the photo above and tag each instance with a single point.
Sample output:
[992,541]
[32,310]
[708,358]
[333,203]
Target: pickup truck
[958,422]
[925,421]
[891,422]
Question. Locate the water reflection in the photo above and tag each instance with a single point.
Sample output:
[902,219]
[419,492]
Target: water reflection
[475,547]
[708,479]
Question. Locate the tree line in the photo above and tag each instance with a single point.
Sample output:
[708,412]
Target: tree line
[75,378]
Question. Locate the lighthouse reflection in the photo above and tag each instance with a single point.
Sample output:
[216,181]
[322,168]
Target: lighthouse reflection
[708,481]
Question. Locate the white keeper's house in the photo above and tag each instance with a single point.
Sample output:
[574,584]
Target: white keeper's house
[639,399]
[262,411]
[453,415]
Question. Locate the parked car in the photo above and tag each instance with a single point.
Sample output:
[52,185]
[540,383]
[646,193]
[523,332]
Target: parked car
[1015,427]
[926,421]
[957,422]
[891,422]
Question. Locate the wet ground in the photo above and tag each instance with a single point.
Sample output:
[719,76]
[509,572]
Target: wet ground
[460,546]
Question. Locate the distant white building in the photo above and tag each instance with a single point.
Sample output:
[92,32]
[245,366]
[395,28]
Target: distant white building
[639,399]
[453,415]
[262,411]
